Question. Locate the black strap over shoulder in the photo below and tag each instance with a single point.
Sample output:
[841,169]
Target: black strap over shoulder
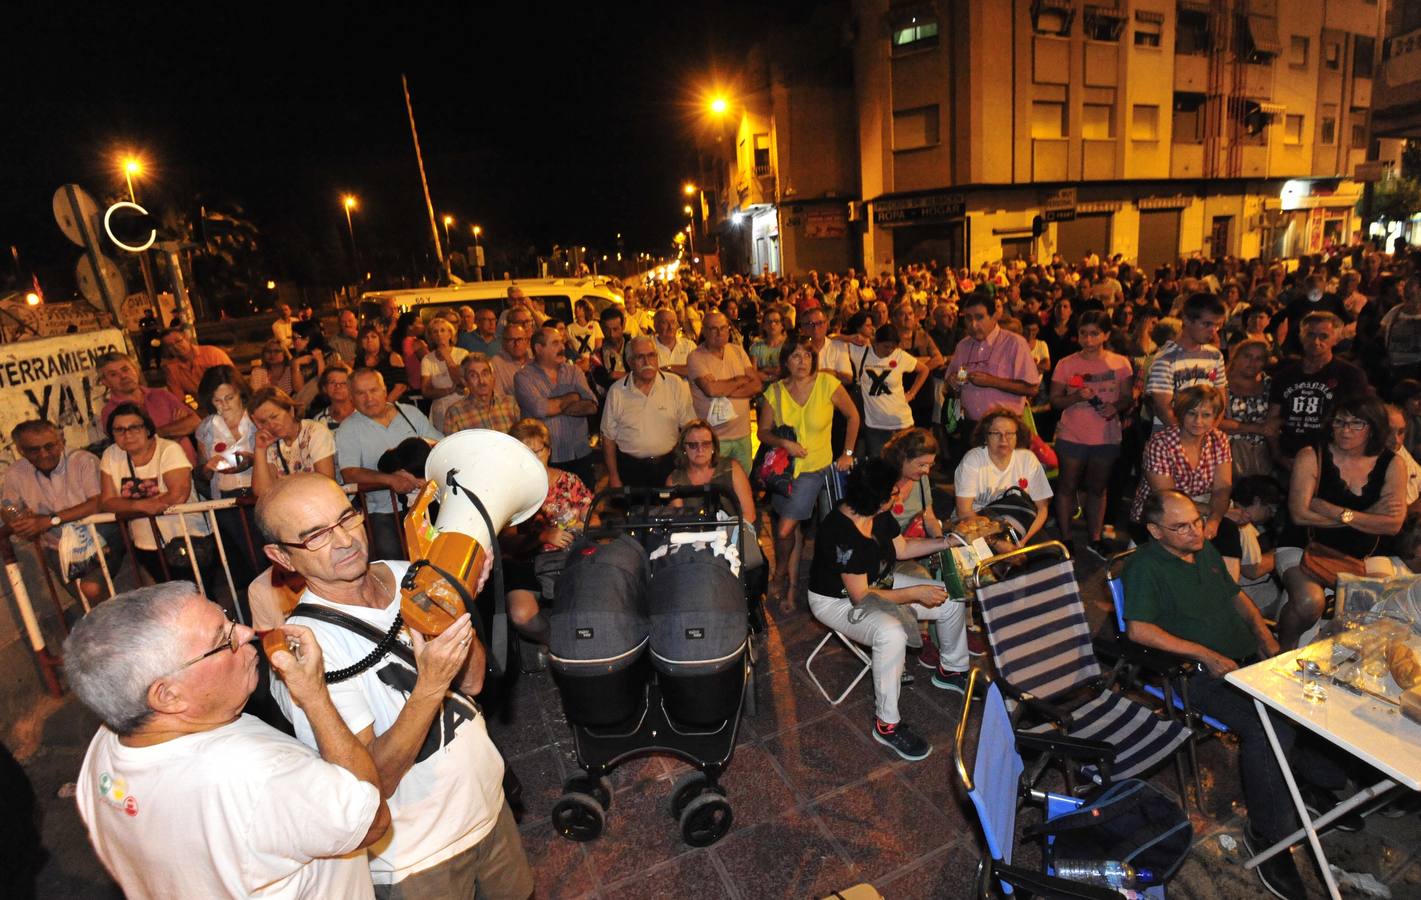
[385,641]
[497,639]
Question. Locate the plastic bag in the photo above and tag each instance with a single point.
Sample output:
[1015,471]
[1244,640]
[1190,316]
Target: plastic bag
[78,547]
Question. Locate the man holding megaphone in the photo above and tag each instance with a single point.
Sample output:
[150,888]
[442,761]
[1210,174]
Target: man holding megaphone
[405,696]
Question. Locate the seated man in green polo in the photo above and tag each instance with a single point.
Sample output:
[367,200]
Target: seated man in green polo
[1180,598]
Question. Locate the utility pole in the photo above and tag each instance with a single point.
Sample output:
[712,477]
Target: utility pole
[419,159]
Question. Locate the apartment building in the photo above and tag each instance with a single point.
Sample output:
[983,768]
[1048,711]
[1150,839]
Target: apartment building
[997,129]
[966,131]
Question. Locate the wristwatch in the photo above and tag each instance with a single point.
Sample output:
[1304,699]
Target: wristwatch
[848,453]
[55,521]
[1346,517]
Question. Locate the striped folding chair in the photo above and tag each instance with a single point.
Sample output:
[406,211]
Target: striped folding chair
[1040,641]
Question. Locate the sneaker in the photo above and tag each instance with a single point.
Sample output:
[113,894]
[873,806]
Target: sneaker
[906,679]
[1319,800]
[950,681]
[1278,873]
[901,741]
[976,644]
[928,656]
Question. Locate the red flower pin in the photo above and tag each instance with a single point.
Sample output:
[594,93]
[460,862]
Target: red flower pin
[1021,483]
[219,447]
[1077,381]
[893,364]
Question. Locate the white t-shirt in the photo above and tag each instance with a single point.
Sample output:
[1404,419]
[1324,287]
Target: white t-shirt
[239,811]
[979,478]
[885,405]
[147,481]
[449,800]
[435,373]
[834,357]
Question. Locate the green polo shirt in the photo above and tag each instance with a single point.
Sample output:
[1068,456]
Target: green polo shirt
[1193,601]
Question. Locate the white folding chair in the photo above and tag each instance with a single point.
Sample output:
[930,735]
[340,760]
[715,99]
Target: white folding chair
[855,649]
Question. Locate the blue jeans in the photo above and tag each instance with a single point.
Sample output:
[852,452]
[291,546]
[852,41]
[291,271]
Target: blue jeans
[1270,806]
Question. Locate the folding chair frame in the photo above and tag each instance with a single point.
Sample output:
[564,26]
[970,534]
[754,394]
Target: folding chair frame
[992,869]
[855,650]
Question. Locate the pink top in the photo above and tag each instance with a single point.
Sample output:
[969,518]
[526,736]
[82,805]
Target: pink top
[1110,377]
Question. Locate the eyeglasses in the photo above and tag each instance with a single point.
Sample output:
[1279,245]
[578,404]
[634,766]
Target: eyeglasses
[1183,528]
[318,540]
[699,445]
[49,447]
[229,642]
[1349,424]
[1002,435]
[129,429]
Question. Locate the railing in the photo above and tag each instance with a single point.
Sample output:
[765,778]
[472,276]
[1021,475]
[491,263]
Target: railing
[50,663]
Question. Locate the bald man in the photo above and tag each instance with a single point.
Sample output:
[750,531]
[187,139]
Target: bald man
[452,833]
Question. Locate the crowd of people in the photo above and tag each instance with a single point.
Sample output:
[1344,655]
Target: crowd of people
[1250,425]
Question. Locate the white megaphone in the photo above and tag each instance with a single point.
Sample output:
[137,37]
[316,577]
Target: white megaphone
[511,484]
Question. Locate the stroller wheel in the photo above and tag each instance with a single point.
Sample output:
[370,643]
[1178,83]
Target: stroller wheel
[687,788]
[579,817]
[598,788]
[705,820]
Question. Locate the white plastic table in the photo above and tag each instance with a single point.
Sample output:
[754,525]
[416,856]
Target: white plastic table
[1369,729]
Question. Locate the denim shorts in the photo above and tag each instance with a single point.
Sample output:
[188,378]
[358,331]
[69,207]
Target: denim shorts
[804,492]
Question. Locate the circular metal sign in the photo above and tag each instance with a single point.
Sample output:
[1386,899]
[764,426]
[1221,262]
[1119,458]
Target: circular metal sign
[72,215]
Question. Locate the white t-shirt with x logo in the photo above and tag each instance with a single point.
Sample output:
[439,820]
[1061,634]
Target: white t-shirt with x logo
[885,404]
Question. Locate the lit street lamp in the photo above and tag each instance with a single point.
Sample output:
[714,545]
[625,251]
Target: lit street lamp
[350,203]
[132,168]
[688,189]
[478,263]
[718,105]
[448,220]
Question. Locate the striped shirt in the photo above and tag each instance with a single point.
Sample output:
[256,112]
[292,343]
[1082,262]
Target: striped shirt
[1176,368]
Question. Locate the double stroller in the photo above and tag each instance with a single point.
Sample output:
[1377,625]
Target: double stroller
[651,651]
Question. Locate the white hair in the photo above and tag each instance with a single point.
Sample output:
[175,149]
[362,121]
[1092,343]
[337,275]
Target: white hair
[119,649]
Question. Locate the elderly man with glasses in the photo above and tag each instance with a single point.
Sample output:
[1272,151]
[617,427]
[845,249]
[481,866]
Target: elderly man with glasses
[54,485]
[183,795]
[1180,598]
[452,833]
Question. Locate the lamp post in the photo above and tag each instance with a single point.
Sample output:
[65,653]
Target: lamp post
[132,167]
[478,254]
[350,204]
[448,250]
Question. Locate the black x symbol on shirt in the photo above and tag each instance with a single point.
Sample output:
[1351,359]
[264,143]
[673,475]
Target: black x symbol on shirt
[878,386]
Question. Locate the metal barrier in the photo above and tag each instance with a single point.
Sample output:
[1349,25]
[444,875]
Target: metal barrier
[50,663]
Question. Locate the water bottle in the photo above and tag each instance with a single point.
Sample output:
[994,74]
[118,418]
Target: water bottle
[1109,873]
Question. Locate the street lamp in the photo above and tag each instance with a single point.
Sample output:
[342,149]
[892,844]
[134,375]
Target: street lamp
[718,105]
[448,220]
[478,263]
[132,168]
[350,203]
[688,189]
[687,209]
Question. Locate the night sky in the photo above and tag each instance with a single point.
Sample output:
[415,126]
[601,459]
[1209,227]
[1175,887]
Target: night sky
[544,123]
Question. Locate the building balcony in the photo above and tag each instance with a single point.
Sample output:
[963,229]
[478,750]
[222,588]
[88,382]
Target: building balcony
[1186,160]
[1048,159]
[1191,73]
[764,171]
[1098,160]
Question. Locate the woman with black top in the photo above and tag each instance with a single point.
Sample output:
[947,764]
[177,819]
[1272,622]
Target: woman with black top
[1348,494]
[851,590]
[370,353]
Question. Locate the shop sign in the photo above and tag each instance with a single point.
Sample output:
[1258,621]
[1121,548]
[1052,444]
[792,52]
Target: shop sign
[54,379]
[925,208]
[826,223]
[1060,206]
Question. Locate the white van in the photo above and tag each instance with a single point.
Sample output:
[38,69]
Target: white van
[557,295]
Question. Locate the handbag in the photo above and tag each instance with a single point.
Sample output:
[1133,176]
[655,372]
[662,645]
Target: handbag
[176,556]
[1325,563]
